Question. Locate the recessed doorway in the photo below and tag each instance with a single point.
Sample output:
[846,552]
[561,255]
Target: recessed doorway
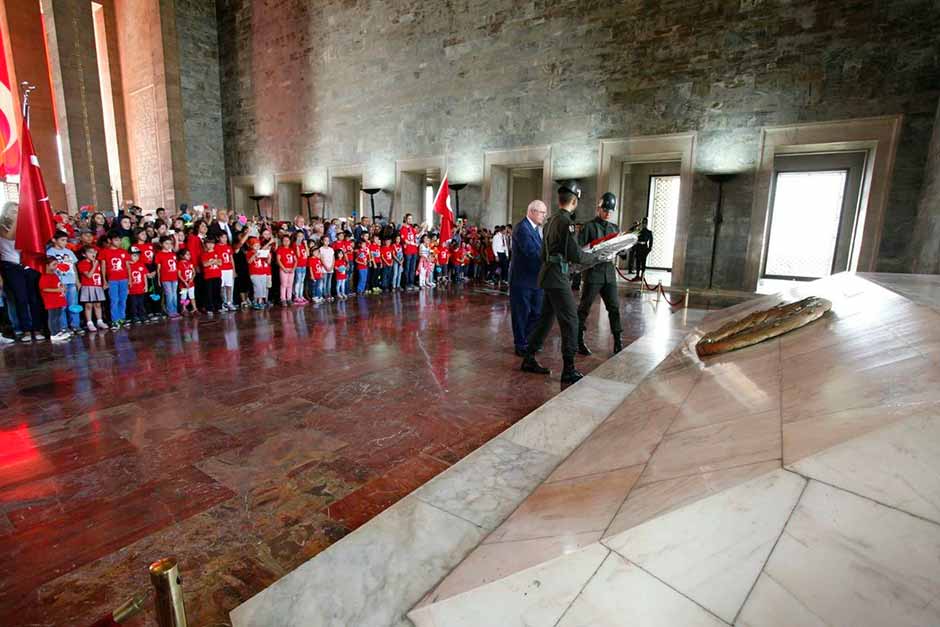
[813,218]
[525,185]
[346,197]
[651,191]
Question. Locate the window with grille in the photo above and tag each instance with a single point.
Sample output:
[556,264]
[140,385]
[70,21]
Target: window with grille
[804,223]
[662,215]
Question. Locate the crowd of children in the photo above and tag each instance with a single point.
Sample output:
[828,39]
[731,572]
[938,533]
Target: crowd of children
[135,269]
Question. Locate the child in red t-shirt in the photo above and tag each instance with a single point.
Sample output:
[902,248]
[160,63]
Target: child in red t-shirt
[399,255]
[259,269]
[224,248]
[91,293]
[167,275]
[341,268]
[300,272]
[287,263]
[211,262]
[375,269]
[363,259]
[137,287]
[388,263]
[53,298]
[443,255]
[317,273]
[114,260]
[187,278]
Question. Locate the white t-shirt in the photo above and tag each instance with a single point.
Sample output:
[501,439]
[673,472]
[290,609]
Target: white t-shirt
[327,256]
[8,252]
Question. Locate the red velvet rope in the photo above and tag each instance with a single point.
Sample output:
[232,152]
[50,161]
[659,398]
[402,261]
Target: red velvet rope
[658,288]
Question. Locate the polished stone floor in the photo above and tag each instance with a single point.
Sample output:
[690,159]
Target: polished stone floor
[793,482]
[245,445]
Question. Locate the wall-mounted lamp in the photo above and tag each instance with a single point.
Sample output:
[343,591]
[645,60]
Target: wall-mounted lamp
[307,196]
[720,179]
[372,191]
[457,187]
[258,198]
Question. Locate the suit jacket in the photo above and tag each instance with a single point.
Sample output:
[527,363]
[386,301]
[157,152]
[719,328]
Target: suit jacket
[526,257]
[215,230]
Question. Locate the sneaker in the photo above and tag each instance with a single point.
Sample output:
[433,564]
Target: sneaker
[77,331]
[91,327]
[40,337]
[61,336]
[102,325]
[24,338]
[115,326]
[6,341]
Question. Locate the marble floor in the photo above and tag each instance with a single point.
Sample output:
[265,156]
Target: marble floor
[795,482]
[245,445]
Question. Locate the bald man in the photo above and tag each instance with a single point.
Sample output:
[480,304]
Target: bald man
[525,296]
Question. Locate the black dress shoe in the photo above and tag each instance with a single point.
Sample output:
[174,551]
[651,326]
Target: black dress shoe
[529,364]
[520,352]
[618,344]
[583,349]
[571,375]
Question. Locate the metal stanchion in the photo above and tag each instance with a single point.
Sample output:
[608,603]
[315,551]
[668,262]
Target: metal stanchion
[659,290]
[686,304]
[168,601]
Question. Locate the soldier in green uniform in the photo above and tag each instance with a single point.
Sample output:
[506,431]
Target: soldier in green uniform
[559,248]
[601,278]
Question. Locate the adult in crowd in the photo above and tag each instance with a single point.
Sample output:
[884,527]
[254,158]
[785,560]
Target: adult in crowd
[501,250]
[19,282]
[601,278]
[221,226]
[525,297]
[644,246]
[409,239]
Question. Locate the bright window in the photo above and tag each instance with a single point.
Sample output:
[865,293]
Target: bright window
[662,215]
[428,204]
[805,223]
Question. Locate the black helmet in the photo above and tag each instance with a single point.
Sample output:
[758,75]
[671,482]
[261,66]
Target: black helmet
[571,187]
[608,201]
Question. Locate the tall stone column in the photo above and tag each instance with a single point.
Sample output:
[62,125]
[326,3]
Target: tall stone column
[74,68]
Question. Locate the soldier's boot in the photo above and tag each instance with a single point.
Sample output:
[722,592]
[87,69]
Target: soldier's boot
[530,364]
[570,374]
[618,344]
[582,347]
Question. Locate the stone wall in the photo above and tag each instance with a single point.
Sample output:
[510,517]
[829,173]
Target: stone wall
[927,233]
[201,100]
[307,86]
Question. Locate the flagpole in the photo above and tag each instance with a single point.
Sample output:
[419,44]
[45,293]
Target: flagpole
[27,89]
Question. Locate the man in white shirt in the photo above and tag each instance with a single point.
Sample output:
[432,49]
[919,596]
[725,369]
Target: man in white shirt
[501,250]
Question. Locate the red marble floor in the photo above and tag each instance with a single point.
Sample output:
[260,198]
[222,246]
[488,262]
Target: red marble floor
[246,444]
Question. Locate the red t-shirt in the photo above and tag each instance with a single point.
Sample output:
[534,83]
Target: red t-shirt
[115,261]
[258,265]
[146,253]
[52,300]
[166,261]
[442,256]
[138,282]
[302,253]
[286,258]
[459,256]
[94,280]
[194,244]
[316,267]
[409,239]
[225,252]
[397,248]
[210,270]
[340,270]
[388,255]
[376,251]
[187,272]
[362,258]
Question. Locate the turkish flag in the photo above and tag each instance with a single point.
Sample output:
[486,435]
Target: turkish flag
[9,155]
[442,208]
[34,223]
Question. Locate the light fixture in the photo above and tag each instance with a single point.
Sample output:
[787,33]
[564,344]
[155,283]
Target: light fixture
[457,187]
[720,179]
[372,191]
[258,198]
[307,196]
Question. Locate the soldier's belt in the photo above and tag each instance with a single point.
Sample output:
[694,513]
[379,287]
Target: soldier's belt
[561,261]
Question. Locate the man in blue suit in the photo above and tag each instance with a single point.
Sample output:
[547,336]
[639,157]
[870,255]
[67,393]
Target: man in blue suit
[525,297]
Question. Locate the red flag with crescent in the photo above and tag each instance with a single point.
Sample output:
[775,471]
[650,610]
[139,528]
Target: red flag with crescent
[34,222]
[442,208]
[9,151]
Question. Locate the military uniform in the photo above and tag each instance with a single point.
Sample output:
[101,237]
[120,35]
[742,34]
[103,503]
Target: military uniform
[601,279]
[643,247]
[559,248]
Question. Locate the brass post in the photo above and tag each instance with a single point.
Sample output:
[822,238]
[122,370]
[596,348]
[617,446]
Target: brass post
[686,305]
[168,601]
[659,290]
[129,609]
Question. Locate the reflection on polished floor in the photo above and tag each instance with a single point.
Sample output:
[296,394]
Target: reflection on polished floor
[245,444]
[794,482]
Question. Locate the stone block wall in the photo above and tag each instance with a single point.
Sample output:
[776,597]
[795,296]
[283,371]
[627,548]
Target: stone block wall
[307,86]
[927,234]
